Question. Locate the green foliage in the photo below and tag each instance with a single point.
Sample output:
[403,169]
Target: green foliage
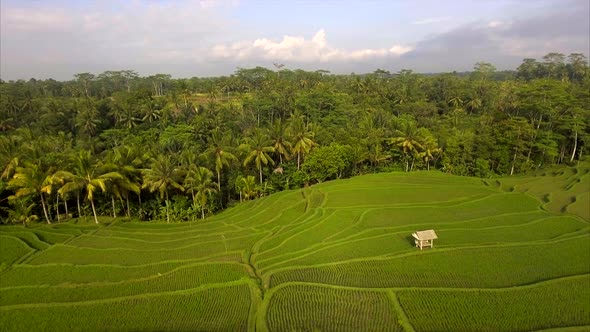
[327,163]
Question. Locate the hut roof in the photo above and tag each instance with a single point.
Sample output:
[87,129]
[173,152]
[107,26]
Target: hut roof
[425,235]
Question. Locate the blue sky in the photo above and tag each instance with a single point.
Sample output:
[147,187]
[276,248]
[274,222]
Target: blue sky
[188,38]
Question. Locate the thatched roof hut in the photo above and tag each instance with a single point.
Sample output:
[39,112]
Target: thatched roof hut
[425,238]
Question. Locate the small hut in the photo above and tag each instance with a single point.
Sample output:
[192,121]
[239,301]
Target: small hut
[424,238]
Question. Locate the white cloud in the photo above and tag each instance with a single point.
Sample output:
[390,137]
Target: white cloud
[298,49]
[495,24]
[431,20]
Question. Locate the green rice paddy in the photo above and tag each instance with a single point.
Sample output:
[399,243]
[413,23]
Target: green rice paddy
[513,254]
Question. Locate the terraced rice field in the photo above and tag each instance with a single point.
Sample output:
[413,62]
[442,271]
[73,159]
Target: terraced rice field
[513,254]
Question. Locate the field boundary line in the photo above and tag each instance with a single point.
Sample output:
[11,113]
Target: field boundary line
[546,215]
[357,236]
[161,249]
[205,258]
[435,289]
[255,300]
[403,319]
[299,228]
[125,281]
[437,204]
[130,297]
[318,223]
[412,252]
[162,242]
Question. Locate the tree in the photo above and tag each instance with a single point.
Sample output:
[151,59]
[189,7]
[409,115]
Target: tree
[409,141]
[127,160]
[578,66]
[529,69]
[218,151]
[198,183]
[258,148]
[328,162]
[246,186]
[302,137]
[162,177]
[554,65]
[88,178]
[21,211]
[429,150]
[32,180]
[278,135]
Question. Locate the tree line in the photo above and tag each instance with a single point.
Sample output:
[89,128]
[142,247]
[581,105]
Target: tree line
[155,147]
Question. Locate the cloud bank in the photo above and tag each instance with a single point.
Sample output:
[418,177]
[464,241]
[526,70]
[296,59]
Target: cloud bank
[201,38]
[298,49]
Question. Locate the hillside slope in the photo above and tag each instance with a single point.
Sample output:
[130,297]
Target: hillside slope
[512,254]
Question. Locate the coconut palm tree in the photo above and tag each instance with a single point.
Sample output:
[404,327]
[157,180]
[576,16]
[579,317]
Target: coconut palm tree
[126,160]
[278,135]
[258,149]
[302,137]
[21,211]
[409,141]
[218,151]
[87,178]
[430,150]
[246,186]
[198,183]
[162,177]
[32,180]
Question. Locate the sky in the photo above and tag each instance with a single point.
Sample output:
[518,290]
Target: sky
[186,38]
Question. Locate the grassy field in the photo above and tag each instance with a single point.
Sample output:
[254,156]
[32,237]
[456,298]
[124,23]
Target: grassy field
[513,255]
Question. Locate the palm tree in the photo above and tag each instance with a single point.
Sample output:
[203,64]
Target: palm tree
[377,155]
[408,140]
[21,212]
[430,149]
[246,186]
[161,177]
[279,140]
[198,182]
[258,148]
[218,150]
[125,160]
[302,137]
[32,180]
[87,178]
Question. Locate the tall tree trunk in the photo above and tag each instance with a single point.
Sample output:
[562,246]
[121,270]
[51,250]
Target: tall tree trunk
[94,211]
[219,180]
[66,206]
[57,206]
[260,170]
[45,209]
[575,147]
[202,212]
[167,212]
[513,163]
[298,159]
[128,210]
[78,200]
[113,201]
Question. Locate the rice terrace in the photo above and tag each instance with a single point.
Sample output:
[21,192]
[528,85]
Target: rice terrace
[512,254]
